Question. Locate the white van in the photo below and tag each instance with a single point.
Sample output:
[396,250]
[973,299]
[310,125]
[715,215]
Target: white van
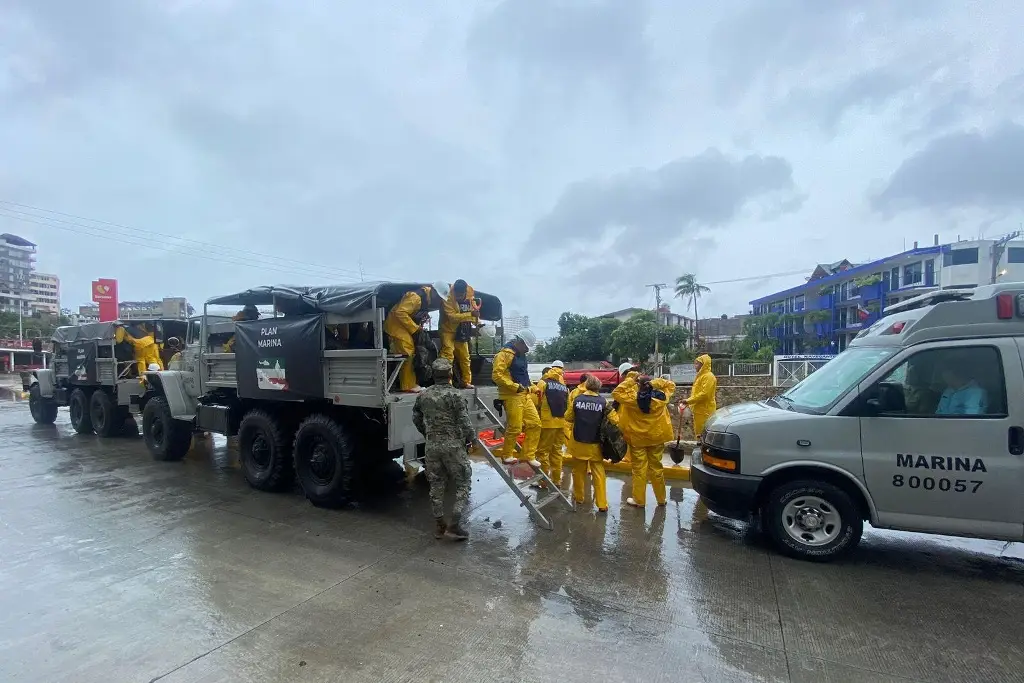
[918,425]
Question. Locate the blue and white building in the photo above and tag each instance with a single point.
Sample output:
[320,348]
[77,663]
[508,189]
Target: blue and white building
[839,299]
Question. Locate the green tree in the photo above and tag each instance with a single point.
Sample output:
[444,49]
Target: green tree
[580,339]
[635,338]
[688,289]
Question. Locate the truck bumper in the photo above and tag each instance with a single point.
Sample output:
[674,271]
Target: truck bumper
[729,495]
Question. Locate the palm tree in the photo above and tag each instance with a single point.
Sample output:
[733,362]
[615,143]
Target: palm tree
[688,288]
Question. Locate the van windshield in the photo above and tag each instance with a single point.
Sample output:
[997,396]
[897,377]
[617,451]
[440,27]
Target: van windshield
[821,388]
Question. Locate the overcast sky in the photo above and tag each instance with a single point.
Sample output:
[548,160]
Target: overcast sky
[558,153]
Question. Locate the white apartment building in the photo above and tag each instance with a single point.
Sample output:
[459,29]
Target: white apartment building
[514,322]
[45,291]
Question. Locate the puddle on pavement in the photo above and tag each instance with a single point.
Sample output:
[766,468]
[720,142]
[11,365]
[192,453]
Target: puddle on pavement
[12,395]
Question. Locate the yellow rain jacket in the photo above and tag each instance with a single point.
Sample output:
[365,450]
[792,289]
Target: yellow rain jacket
[547,420]
[452,316]
[645,429]
[501,373]
[400,323]
[702,400]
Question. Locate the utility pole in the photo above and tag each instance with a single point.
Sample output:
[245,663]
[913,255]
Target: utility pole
[998,248]
[657,324]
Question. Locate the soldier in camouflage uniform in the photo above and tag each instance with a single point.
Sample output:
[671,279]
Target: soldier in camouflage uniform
[441,415]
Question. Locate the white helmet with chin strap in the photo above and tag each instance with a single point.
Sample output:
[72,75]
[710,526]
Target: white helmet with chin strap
[527,337]
[442,289]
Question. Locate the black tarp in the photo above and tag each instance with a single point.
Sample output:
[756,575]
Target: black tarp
[280,358]
[339,299]
[82,363]
[98,332]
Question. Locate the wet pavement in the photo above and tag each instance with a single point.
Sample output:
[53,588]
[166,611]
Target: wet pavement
[117,568]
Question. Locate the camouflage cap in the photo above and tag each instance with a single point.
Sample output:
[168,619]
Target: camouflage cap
[441,366]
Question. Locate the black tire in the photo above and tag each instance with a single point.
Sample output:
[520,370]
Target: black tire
[44,410]
[324,461]
[798,510]
[166,438]
[107,417]
[78,406]
[265,451]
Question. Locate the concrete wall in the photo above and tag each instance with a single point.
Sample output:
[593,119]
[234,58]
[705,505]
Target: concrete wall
[727,396]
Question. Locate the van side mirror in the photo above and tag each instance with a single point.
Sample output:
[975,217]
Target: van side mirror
[872,407]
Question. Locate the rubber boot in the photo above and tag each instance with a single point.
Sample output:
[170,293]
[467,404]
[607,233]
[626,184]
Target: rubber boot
[441,528]
[456,531]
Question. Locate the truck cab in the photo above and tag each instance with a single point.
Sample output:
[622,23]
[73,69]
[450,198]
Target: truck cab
[917,426]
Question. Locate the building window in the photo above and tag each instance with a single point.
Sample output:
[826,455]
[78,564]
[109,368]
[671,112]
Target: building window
[1015,255]
[912,274]
[844,291]
[894,280]
[960,257]
[799,302]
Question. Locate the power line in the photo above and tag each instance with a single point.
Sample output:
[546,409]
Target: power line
[768,276]
[122,239]
[356,274]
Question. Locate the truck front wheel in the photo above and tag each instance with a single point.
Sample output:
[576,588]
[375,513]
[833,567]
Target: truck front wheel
[324,461]
[78,406]
[166,438]
[812,520]
[44,410]
[265,449]
[107,417]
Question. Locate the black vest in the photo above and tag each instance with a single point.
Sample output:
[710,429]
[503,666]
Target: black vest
[518,370]
[464,332]
[589,414]
[557,396]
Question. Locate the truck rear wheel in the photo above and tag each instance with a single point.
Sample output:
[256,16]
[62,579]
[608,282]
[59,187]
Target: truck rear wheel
[166,438]
[107,417]
[812,520]
[44,410]
[324,461]
[265,449]
[78,406]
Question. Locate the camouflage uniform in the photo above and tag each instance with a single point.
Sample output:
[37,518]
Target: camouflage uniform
[441,414]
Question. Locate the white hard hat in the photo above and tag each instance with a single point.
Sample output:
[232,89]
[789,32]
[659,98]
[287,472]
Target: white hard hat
[527,337]
[557,364]
[153,367]
[442,288]
[625,367]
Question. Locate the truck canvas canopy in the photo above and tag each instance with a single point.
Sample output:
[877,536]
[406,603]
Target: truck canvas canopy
[344,300]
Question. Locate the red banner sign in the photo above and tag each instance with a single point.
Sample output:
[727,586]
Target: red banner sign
[104,293]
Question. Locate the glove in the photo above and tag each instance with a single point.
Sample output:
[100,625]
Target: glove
[521,389]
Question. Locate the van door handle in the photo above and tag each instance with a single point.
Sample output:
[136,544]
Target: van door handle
[1016,441]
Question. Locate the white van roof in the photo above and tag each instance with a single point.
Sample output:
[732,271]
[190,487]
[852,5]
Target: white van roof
[986,311]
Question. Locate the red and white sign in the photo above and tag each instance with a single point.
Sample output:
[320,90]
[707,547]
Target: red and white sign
[104,293]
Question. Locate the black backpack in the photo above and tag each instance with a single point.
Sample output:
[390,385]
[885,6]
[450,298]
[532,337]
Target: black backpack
[424,357]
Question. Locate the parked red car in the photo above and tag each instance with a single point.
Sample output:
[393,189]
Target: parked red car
[607,373]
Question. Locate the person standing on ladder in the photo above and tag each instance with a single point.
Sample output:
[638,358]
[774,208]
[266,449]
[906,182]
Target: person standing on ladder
[442,416]
[554,399]
[645,422]
[459,312]
[512,377]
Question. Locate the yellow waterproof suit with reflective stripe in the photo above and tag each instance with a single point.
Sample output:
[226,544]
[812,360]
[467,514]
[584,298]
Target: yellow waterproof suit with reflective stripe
[144,348]
[452,316]
[401,327]
[703,400]
[646,434]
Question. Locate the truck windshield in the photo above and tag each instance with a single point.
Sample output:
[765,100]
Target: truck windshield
[821,388]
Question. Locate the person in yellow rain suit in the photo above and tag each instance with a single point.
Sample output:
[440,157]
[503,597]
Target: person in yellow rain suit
[404,320]
[248,312]
[646,425]
[554,400]
[512,377]
[144,347]
[626,369]
[584,417]
[458,313]
[702,401]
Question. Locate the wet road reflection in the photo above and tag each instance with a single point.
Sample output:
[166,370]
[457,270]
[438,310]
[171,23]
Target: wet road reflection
[114,567]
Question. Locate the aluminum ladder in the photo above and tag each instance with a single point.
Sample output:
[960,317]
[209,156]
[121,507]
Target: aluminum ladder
[521,487]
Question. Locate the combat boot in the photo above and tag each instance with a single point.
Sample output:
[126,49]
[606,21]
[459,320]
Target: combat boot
[456,531]
[441,528]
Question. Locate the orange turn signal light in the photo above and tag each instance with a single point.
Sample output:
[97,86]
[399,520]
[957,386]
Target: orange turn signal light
[718,463]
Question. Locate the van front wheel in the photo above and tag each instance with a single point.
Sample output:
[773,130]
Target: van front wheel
[812,520]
